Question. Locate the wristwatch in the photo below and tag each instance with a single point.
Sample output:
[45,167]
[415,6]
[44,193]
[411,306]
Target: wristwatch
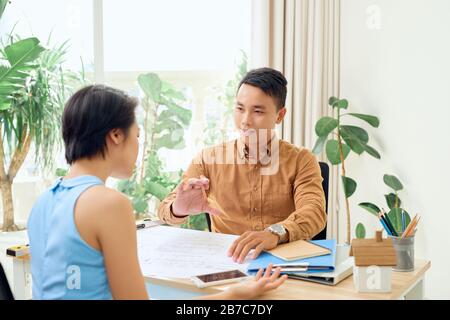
[280,231]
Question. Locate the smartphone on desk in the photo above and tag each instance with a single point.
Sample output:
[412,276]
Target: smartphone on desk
[212,279]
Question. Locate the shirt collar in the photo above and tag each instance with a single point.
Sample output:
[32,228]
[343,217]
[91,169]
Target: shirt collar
[264,154]
[73,182]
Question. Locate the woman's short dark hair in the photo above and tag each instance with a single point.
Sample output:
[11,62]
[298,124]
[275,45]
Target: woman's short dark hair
[270,81]
[89,115]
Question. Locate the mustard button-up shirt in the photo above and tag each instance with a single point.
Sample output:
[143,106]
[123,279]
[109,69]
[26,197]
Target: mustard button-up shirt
[284,186]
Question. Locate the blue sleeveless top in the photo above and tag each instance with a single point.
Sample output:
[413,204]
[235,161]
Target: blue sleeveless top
[63,265]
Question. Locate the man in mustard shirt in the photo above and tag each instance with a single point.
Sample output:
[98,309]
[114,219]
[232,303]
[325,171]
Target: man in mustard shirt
[258,186]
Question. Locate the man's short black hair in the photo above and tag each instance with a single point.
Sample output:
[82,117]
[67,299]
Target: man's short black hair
[89,115]
[270,81]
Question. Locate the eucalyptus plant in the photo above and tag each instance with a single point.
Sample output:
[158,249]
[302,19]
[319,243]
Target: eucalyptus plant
[164,122]
[394,204]
[340,139]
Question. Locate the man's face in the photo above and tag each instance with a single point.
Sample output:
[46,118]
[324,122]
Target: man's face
[255,110]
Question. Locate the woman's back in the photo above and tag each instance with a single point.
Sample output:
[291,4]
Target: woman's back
[63,265]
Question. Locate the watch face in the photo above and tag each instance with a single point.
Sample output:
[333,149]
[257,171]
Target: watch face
[278,228]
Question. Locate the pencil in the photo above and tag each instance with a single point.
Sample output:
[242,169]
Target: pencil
[389,224]
[411,226]
[408,227]
[412,230]
[403,221]
[384,225]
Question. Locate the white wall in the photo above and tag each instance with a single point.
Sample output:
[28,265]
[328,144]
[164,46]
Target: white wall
[399,70]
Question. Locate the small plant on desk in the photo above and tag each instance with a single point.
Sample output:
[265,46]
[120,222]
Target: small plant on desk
[397,215]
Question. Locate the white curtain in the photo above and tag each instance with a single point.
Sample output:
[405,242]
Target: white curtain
[300,38]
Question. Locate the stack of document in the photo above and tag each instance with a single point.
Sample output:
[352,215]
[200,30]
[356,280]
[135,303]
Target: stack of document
[313,264]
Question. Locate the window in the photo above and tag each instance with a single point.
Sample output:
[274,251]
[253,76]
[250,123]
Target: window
[60,20]
[194,44]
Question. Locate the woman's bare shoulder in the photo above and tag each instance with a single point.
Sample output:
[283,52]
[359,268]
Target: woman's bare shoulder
[101,200]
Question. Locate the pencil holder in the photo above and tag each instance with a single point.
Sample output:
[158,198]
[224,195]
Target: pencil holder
[404,248]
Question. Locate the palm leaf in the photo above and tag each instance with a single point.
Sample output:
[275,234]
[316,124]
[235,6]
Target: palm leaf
[19,55]
[3,4]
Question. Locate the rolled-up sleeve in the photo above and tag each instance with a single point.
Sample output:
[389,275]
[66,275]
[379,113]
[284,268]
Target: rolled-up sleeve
[309,217]
[195,169]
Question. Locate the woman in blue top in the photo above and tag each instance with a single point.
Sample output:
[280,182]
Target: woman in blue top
[83,234]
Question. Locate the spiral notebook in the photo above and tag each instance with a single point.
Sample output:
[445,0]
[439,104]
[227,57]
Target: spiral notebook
[321,263]
[300,249]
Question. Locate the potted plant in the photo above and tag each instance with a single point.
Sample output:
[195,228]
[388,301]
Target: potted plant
[340,139]
[394,204]
[164,121]
[33,87]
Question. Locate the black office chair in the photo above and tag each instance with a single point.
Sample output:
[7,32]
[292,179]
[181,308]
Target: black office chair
[325,172]
[5,289]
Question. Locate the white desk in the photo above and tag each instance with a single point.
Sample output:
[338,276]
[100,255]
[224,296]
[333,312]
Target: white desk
[164,243]
[407,285]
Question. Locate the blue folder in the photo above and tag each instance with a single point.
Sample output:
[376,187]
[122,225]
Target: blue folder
[326,263]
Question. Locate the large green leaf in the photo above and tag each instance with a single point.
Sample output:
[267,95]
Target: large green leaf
[355,137]
[153,165]
[372,120]
[392,200]
[318,146]
[150,83]
[360,231]
[349,186]
[373,209]
[197,222]
[60,172]
[156,190]
[174,110]
[333,152]
[325,125]
[167,124]
[335,102]
[173,140]
[140,204]
[370,150]
[332,101]
[23,51]
[393,182]
[126,186]
[19,54]
[169,91]
[395,217]
[166,86]
[3,4]
[341,104]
